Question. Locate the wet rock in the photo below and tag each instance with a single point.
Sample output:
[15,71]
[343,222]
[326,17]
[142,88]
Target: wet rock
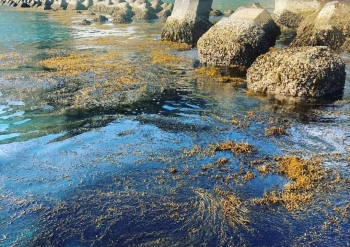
[236,41]
[124,97]
[215,12]
[100,18]
[85,22]
[188,21]
[290,13]
[303,72]
[228,12]
[329,27]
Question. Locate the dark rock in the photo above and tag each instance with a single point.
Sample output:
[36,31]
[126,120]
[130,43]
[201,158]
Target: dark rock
[100,18]
[22,5]
[215,12]
[85,22]
[228,12]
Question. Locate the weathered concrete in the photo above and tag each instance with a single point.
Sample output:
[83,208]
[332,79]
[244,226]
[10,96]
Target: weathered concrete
[122,13]
[157,5]
[290,13]
[303,72]
[75,5]
[45,5]
[87,3]
[329,27]
[143,11]
[188,21]
[163,15]
[236,41]
[59,4]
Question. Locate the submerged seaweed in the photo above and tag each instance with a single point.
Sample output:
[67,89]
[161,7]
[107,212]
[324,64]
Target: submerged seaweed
[137,148]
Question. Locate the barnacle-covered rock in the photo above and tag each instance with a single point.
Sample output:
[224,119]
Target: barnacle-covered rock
[188,21]
[236,41]
[303,72]
[329,27]
[290,13]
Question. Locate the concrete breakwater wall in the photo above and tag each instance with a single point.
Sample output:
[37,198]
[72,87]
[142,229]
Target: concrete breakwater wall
[137,9]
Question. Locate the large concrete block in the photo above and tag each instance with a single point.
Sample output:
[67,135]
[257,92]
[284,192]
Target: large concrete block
[188,21]
[329,27]
[290,13]
[298,72]
[236,41]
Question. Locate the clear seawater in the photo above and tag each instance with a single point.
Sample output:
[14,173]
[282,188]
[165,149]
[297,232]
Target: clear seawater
[27,31]
[104,179]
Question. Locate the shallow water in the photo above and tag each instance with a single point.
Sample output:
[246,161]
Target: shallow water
[104,178]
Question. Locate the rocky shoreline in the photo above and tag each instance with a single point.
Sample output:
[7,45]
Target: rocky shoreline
[241,39]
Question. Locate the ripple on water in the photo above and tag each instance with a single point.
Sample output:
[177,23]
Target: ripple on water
[22,121]
[16,114]
[4,127]
[9,136]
